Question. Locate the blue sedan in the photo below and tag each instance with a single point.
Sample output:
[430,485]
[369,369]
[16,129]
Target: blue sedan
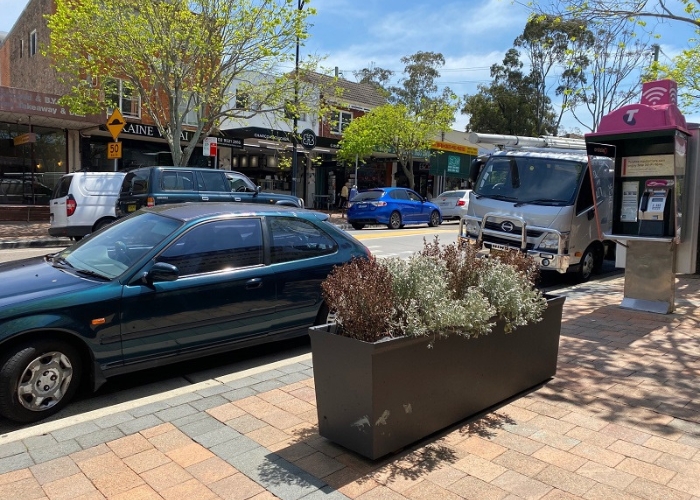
[169,283]
[392,206]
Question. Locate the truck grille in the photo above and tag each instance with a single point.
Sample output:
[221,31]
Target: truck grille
[517,230]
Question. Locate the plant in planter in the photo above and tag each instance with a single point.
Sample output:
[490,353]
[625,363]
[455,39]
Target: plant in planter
[378,385]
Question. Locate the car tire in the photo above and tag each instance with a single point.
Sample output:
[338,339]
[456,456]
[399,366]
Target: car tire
[324,316]
[38,379]
[587,265]
[357,226]
[395,220]
[434,219]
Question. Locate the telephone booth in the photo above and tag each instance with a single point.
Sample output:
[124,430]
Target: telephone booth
[655,200]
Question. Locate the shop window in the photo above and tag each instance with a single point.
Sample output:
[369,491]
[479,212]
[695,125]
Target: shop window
[340,120]
[32,43]
[123,94]
[189,117]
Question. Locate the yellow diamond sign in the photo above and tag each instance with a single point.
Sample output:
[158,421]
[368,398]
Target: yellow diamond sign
[115,123]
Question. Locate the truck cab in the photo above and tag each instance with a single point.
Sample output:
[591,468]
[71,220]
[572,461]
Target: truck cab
[542,201]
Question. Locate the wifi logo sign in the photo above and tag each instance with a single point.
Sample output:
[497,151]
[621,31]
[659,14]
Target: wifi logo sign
[654,95]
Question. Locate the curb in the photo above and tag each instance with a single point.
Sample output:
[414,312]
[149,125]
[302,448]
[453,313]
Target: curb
[36,243]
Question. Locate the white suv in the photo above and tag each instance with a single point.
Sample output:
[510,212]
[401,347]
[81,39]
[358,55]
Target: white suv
[83,202]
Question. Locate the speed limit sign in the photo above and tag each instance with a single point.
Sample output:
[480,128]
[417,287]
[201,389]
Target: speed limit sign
[114,150]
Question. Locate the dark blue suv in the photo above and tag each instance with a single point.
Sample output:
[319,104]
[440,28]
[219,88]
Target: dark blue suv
[151,186]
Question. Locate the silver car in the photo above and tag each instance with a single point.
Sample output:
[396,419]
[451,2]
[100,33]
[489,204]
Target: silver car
[453,204]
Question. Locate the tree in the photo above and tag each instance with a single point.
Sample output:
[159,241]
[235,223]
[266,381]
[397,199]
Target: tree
[510,104]
[554,43]
[613,76]
[418,90]
[180,58]
[397,129]
[376,76]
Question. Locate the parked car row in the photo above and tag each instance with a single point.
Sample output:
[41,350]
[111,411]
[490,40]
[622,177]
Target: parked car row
[84,202]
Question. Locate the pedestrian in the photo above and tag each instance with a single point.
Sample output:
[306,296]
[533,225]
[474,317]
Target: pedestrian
[344,195]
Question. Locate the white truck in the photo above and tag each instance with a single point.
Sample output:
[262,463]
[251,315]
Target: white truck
[537,196]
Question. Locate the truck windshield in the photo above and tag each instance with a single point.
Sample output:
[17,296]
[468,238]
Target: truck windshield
[541,181]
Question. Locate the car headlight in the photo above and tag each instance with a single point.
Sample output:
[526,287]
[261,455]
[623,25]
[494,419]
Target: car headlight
[551,242]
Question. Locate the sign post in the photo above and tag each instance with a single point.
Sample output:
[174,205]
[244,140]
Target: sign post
[115,124]
[209,148]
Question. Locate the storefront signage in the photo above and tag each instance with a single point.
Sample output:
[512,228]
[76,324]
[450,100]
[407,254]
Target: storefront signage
[24,139]
[26,102]
[151,131]
[453,164]
[454,148]
[231,142]
[308,139]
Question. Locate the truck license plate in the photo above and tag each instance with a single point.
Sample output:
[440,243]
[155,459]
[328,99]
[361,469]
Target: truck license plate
[498,246]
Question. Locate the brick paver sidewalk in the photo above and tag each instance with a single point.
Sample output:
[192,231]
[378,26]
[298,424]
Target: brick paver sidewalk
[621,419]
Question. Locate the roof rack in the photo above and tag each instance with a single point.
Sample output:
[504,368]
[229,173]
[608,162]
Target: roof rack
[515,141]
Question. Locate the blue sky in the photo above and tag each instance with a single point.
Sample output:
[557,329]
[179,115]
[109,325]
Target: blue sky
[471,34]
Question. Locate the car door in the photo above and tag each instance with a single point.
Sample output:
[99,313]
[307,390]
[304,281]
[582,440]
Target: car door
[176,186]
[57,205]
[406,207]
[301,256]
[213,186]
[420,210]
[224,293]
[242,189]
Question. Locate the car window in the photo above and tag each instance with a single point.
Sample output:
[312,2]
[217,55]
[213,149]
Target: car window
[295,239]
[452,194]
[212,181]
[172,180]
[61,189]
[240,183]
[399,194]
[368,195]
[413,196]
[216,246]
[136,182]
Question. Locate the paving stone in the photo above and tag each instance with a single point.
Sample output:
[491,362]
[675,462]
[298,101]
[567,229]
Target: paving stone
[293,368]
[267,375]
[228,450]
[201,426]
[74,431]
[237,394]
[175,412]
[182,399]
[114,419]
[42,441]
[209,402]
[15,462]
[139,424]
[189,419]
[267,385]
[222,435]
[292,378]
[99,437]
[14,448]
[213,390]
[325,493]
[242,382]
[47,453]
[149,409]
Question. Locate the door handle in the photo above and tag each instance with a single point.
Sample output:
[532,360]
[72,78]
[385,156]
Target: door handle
[205,198]
[253,283]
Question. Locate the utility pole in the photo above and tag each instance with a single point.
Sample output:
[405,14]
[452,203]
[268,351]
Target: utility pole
[295,132]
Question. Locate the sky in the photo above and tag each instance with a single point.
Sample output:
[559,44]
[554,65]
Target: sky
[472,35]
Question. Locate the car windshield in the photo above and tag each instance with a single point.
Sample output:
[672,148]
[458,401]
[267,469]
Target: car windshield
[110,252]
[452,194]
[547,181]
[368,195]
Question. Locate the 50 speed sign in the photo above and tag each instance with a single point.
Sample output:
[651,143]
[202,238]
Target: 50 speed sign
[114,150]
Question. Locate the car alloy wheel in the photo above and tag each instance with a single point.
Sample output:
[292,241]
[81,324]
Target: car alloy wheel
[394,220]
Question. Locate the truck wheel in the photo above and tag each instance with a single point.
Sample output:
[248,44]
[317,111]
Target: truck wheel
[102,223]
[38,379]
[394,220]
[586,266]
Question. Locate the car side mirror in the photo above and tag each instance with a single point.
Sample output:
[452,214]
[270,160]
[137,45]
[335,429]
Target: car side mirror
[161,271]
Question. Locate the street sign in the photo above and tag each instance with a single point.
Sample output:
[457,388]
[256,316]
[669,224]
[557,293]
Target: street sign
[24,139]
[209,146]
[115,123]
[114,150]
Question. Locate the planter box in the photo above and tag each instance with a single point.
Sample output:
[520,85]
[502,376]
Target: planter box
[375,399]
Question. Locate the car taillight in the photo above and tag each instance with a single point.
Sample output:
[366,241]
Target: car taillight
[71,205]
[461,203]
[150,201]
[378,203]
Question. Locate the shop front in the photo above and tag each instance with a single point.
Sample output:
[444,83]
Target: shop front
[449,164]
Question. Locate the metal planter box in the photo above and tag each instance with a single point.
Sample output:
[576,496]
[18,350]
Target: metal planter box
[375,399]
